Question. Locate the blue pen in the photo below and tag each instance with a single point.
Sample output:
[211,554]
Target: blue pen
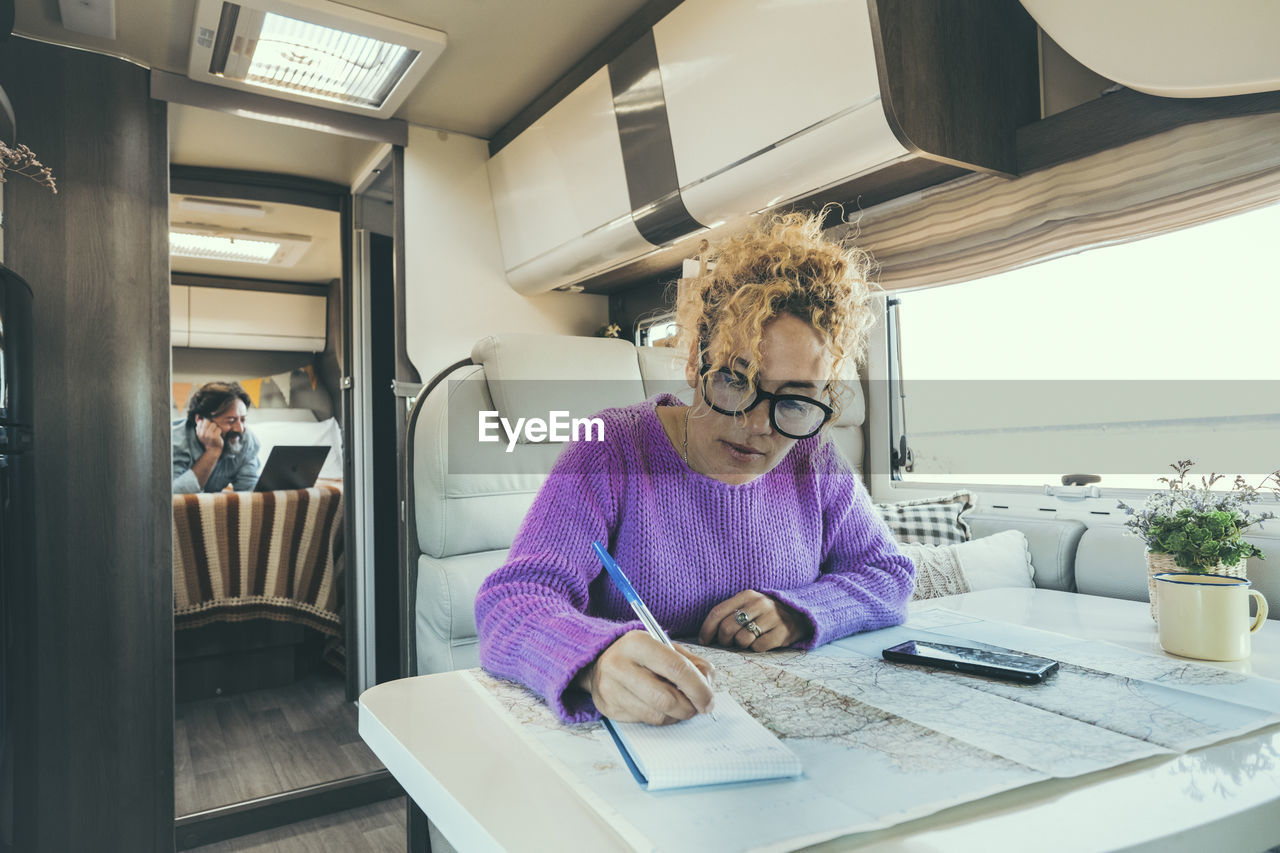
[633,598]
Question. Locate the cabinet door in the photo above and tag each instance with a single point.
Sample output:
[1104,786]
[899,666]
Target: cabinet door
[250,319]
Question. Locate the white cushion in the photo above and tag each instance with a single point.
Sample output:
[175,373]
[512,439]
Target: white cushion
[272,433]
[446,600]
[662,369]
[258,416]
[853,404]
[468,496]
[531,376]
[999,560]
[1052,542]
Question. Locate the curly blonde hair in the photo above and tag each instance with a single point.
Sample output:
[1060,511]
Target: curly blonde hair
[781,265]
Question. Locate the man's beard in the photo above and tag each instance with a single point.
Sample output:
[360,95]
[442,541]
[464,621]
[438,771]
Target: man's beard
[233,441]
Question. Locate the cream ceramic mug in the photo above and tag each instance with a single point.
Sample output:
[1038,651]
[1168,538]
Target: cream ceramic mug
[1207,616]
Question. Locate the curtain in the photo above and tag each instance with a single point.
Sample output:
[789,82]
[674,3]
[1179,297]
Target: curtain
[981,225]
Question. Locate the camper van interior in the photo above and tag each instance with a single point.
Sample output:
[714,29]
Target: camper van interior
[409,231]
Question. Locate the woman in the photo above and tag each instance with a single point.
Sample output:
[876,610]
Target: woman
[733,518]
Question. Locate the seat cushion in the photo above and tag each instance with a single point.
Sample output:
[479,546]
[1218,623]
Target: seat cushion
[1051,541]
[446,609]
[662,369]
[850,441]
[1111,562]
[468,496]
[531,376]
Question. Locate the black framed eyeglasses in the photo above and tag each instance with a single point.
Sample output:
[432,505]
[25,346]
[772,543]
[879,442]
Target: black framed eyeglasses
[793,415]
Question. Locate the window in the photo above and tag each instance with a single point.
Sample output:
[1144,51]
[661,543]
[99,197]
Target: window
[657,331]
[1115,361]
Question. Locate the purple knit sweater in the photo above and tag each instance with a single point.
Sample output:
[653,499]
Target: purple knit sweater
[805,533]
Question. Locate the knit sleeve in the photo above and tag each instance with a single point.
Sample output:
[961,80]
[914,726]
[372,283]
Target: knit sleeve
[531,614]
[865,580]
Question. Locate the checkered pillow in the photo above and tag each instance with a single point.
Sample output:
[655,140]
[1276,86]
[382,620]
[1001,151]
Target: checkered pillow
[929,521]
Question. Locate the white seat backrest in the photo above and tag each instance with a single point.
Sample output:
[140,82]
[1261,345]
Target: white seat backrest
[471,496]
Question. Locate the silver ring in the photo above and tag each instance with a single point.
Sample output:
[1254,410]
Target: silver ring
[753,628]
[741,617]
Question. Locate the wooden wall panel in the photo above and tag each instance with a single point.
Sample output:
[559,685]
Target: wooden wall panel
[96,256]
[957,78]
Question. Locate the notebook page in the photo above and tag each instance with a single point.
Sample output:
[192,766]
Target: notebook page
[702,751]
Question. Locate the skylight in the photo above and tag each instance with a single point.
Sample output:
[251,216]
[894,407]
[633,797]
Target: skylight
[207,242]
[318,51]
[295,56]
[222,248]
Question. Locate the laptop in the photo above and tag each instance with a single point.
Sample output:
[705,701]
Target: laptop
[292,467]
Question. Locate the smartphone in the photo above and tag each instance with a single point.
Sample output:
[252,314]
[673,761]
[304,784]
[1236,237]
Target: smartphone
[980,660]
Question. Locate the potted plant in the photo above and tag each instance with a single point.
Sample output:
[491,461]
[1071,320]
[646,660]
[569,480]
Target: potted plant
[1192,528]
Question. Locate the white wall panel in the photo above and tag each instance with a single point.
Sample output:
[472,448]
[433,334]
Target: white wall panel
[179,314]
[562,177]
[456,288]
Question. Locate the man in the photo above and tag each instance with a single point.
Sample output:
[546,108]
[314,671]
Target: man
[212,448]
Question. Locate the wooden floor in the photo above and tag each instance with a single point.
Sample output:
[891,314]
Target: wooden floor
[235,748]
[378,828]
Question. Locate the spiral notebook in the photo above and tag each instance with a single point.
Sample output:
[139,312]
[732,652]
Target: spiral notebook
[702,751]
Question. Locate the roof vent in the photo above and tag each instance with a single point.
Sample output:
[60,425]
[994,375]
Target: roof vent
[214,243]
[316,52]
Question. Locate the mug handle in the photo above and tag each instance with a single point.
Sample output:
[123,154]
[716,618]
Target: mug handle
[1262,611]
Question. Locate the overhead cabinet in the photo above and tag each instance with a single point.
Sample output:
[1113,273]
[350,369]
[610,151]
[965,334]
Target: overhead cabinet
[223,318]
[560,193]
[727,108]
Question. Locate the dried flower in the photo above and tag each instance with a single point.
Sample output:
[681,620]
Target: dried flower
[23,161]
[1200,527]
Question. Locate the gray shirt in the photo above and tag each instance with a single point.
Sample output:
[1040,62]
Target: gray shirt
[240,469]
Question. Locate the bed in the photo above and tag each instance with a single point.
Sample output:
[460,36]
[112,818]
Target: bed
[257,576]
[258,555]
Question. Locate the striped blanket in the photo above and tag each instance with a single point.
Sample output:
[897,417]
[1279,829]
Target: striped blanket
[255,555]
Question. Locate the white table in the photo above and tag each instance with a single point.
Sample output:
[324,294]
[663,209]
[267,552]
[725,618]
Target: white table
[486,789]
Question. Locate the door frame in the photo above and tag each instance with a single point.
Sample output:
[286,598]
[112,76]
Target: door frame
[237,819]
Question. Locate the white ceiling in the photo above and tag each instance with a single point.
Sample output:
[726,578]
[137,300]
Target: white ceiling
[320,264]
[205,138]
[501,54]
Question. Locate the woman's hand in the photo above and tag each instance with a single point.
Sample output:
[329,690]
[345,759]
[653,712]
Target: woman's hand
[779,625]
[638,679]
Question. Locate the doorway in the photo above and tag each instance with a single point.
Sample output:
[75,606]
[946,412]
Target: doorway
[265,720]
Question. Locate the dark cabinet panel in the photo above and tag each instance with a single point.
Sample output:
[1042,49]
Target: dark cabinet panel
[96,255]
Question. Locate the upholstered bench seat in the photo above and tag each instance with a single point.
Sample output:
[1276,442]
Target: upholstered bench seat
[467,500]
